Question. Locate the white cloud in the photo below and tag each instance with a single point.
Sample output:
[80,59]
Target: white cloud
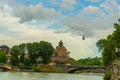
[92,19]
[110,7]
[6,14]
[54,2]
[94,0]
[100,34]
[82,25]
[82,47]
[91,10]
[68,4]
[78,25]
[35,12]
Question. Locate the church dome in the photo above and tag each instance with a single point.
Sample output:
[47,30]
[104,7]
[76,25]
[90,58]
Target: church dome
[61,43]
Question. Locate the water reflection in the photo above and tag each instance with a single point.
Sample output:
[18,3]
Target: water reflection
[46,76]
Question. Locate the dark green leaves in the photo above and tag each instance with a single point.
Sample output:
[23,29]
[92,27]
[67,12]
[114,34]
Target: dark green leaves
[31,53]
[108,46]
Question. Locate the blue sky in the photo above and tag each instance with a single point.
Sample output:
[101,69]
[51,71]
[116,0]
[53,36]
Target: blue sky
[54,20]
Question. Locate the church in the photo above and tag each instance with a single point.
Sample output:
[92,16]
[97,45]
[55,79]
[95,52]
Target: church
[61,55]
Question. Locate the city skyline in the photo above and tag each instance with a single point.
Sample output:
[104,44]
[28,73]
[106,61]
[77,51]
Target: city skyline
[23,21]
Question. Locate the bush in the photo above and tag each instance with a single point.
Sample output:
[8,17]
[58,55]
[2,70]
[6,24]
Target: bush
[25,67]
[36,69]
[107,76]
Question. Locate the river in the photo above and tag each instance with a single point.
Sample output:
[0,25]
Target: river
[47,76]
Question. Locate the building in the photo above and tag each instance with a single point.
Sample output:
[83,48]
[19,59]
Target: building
[61,55]
[6,49]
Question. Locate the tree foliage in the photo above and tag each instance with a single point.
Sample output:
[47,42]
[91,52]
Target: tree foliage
[29,53]
[107,46]
[15,55]
[3,57]
[22,50]
[90,62]
[46,51]
[72,61]
[33,52]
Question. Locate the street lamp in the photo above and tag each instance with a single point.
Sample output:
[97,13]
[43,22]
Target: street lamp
[117,50]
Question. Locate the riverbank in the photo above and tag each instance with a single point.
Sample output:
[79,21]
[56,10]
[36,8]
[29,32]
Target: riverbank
[43,68]
[49,69]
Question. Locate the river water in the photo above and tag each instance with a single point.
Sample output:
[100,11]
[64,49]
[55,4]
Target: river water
[47,76]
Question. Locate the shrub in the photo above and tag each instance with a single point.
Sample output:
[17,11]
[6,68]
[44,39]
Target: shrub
[25,67]
[36,69]
[107,76]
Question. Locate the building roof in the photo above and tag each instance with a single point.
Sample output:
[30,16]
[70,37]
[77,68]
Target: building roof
[4,46]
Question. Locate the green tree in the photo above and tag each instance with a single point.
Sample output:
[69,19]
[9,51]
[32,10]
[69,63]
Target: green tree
[108,46]
[3,57]
[90,62]
[101,44]
[33,50]
[27,62]
[82,62]
[31,53]
[94,62]
[46,51]
[22,50]
[72,61]
[15,52]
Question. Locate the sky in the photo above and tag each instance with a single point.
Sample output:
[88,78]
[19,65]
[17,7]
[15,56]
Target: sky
[23,21]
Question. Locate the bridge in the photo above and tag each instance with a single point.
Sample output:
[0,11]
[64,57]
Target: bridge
[73,68]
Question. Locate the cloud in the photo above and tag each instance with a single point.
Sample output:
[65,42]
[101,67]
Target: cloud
[110,7]
[54,2]
[77,24]
[91,10]
[93,20]
[94,0]
[68,4]
[11,24]
[82,25]
[31,12]
[82,47]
